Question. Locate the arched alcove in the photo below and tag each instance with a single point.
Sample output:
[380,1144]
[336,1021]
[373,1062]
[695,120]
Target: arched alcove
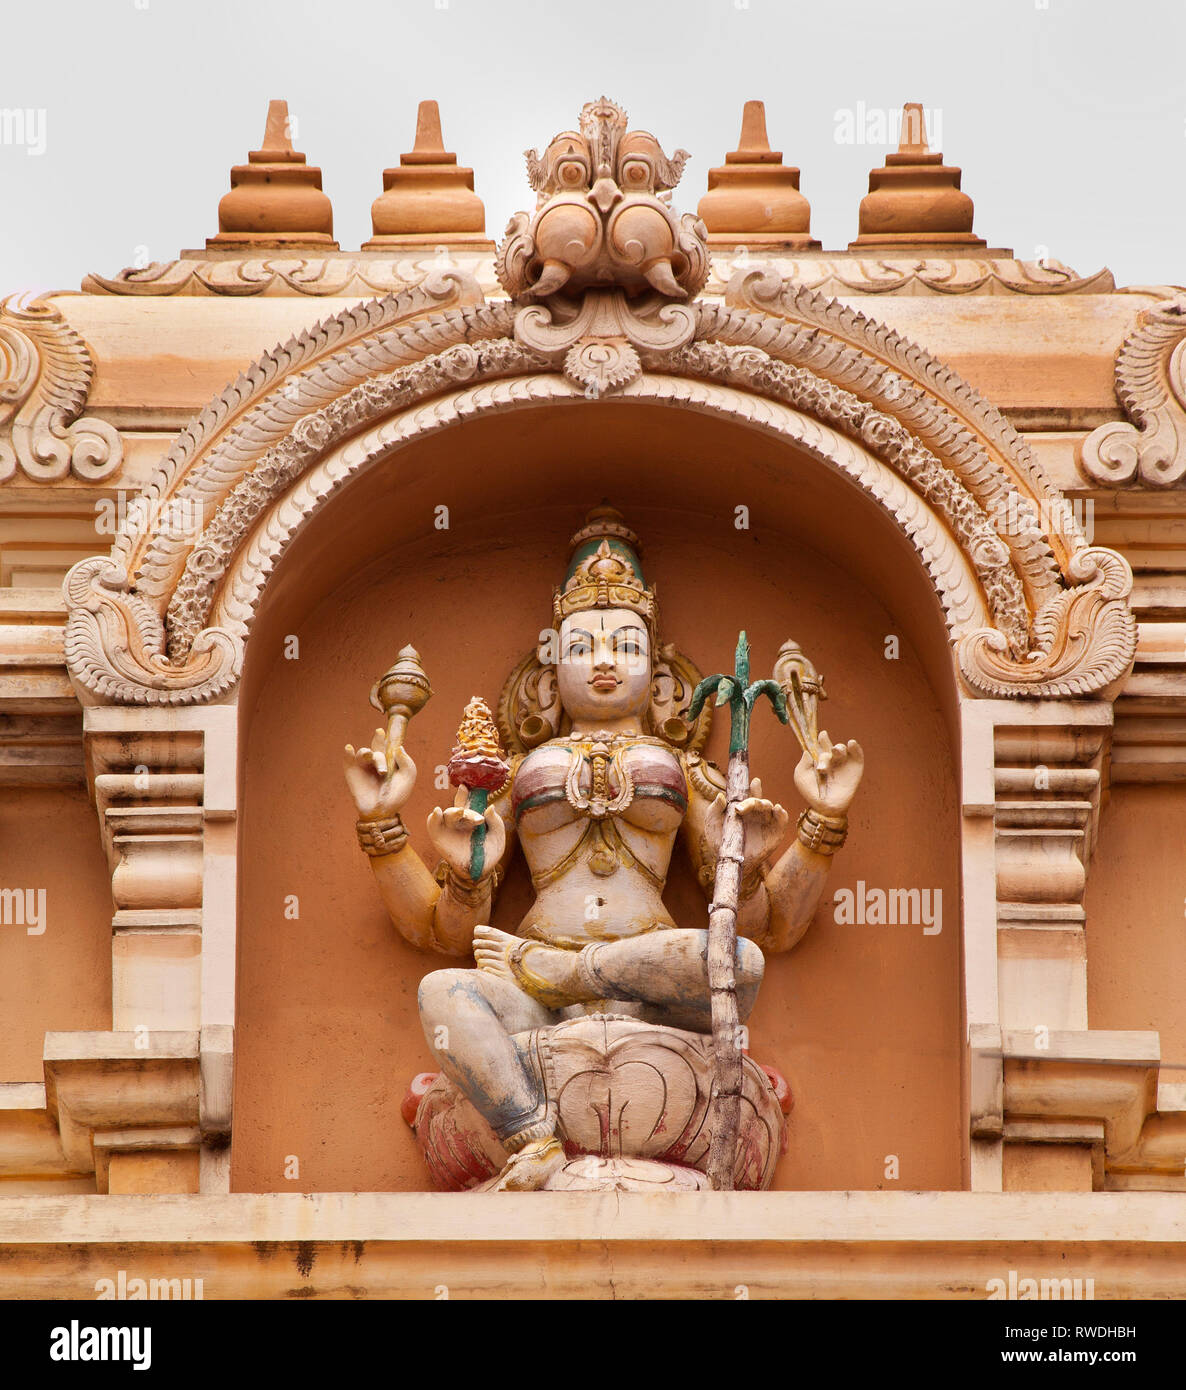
[863,1020]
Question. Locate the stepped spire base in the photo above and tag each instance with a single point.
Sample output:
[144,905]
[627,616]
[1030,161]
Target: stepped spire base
[753,199]
[915,201]
[275,198]
[428,199]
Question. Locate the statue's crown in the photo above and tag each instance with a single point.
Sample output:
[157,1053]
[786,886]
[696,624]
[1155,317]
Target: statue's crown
[604,571]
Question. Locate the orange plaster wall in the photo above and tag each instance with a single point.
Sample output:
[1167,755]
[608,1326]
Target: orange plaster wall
[863,1020]
[61,979]
[1046,1168]
[1136,931]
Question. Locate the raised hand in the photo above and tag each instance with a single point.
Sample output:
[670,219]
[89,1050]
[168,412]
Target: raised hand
[765,824]
[829,783]
[451,832]
[380,778]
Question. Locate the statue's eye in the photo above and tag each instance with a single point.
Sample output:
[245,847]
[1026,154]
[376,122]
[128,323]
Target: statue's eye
[577,647]
[636,173]
[570,173]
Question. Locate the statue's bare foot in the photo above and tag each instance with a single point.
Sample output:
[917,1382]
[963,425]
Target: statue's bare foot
[530,1168]
[548,974]
[492,949]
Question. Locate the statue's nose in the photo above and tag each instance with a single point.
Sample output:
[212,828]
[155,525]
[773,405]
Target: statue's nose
[604,194]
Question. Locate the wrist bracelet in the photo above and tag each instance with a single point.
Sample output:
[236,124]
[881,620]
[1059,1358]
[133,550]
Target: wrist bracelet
[751,878]
[465,890]
[380,837]
[823,834]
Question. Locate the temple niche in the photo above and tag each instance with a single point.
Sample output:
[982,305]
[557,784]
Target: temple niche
[503,510]
[894,1078]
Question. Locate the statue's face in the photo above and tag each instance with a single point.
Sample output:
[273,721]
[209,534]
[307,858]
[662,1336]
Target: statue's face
[604,665]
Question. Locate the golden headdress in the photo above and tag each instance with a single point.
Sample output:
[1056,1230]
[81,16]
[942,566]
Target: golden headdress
[604,571]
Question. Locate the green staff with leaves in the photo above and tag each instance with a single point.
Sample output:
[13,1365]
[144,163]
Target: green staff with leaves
[794,699]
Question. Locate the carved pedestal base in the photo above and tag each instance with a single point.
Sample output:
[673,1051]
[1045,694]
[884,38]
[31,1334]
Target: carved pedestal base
[631,1101]
[625,1175]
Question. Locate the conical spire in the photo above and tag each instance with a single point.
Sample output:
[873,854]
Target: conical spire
[754,199]
[275,198]
[277,145]
[428,199]
[914,199]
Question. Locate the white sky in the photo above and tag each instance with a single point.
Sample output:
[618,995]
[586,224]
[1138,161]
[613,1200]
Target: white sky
[1068,117]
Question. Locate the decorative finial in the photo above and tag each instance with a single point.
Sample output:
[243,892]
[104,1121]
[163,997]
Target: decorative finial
[401,692]
[428,199]
[912,139]
[914,199]
[754,199]
[275,198]
[277,142]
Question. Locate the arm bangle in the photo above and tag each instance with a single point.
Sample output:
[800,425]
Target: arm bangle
[823,834]
[465,890]
[380,837]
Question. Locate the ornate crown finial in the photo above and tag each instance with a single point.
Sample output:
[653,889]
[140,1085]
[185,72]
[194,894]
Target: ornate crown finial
[603,123]
[604,571]
[603,216]
[604,265]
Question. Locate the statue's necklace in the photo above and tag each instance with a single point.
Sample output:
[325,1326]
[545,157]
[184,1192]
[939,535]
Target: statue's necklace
[605,754]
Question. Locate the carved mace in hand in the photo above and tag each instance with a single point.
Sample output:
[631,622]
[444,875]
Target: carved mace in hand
[725,1110]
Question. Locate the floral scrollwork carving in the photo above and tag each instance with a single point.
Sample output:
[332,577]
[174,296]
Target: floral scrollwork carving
[1085,638]
[1150,449]
[115,644]
[45,377]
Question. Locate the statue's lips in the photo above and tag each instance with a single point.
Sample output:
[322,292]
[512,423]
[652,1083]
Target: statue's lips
[605,682]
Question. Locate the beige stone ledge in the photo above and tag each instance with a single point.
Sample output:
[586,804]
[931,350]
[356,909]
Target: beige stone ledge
[557,1245]
[158,360]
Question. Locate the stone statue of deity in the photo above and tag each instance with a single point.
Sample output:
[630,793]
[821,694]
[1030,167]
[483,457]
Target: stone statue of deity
[577,1052]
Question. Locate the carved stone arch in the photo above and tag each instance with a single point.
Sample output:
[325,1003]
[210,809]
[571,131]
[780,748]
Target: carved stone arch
[162,620]
[927,396]
[951,574]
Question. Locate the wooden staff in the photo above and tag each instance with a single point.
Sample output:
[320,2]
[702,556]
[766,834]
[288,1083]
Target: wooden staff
[725,1108]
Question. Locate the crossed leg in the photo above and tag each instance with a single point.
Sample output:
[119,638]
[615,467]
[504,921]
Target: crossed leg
[469,1020]
[666,970]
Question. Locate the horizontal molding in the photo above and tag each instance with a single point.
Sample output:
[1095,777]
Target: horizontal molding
[776,1244]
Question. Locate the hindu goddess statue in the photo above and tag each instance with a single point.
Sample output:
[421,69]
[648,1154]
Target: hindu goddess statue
[596,808]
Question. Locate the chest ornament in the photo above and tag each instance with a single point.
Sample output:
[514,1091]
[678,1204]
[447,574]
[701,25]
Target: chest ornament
[610,788]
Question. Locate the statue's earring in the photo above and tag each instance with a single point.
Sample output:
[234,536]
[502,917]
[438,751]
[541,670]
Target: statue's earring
[539,688]
[533,731]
